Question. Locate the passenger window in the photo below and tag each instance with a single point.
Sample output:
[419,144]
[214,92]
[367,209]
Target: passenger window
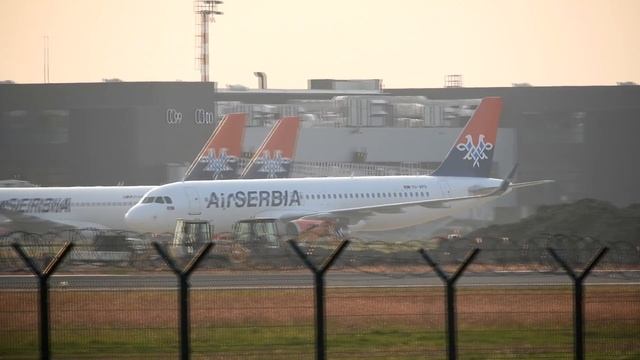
[159,200]
[168,200]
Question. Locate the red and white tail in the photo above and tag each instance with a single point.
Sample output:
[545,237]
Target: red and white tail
[274,158]
[472,153]
[220,155]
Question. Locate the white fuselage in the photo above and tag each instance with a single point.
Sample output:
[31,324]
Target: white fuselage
[223,203]
[81,207]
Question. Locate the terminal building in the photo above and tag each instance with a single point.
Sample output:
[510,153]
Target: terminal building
[145,132]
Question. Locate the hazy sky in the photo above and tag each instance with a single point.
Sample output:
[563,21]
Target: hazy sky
[407,43]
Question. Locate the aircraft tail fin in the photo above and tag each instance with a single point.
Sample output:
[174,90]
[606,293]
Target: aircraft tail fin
[220,155]
[472,153]
[274,157]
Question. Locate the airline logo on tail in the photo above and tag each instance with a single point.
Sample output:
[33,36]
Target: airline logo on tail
[274,158]
[219,158]
[273,166]
[475,152]
[472,153]
[219,164]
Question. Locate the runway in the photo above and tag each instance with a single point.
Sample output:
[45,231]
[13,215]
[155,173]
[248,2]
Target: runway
[297,279]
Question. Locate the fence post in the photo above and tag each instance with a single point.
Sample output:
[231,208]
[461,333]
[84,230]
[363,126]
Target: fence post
[318,276]
[578,297]
[43,289]
[450,306]
[183,296]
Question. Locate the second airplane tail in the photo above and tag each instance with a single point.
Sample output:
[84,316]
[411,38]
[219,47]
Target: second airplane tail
[274,158]
[472,153]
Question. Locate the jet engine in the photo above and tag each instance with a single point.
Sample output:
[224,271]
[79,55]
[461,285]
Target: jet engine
[317,227]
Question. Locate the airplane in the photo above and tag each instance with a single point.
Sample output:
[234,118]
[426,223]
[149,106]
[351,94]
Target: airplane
[42,209]
[342,204]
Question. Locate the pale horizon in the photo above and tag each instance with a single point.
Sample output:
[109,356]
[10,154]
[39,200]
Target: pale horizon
[406,44]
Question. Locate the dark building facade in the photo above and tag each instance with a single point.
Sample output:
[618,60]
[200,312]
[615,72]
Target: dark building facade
[101,133]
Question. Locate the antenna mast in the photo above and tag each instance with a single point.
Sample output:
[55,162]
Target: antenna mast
[205,12]
[46,59]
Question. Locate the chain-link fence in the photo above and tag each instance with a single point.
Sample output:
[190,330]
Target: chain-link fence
[113,296]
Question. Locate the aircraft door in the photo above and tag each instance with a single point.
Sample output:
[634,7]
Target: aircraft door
[194,201]
[444,188]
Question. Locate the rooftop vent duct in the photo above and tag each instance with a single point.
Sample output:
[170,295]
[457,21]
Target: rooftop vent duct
[262,79]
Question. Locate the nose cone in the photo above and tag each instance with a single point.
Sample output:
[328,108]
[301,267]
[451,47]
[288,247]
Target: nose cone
[139,219]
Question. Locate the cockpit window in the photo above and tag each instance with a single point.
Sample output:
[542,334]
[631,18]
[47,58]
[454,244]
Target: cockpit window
[157,200]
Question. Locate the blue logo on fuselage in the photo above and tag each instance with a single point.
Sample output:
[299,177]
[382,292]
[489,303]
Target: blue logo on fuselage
[254,198]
